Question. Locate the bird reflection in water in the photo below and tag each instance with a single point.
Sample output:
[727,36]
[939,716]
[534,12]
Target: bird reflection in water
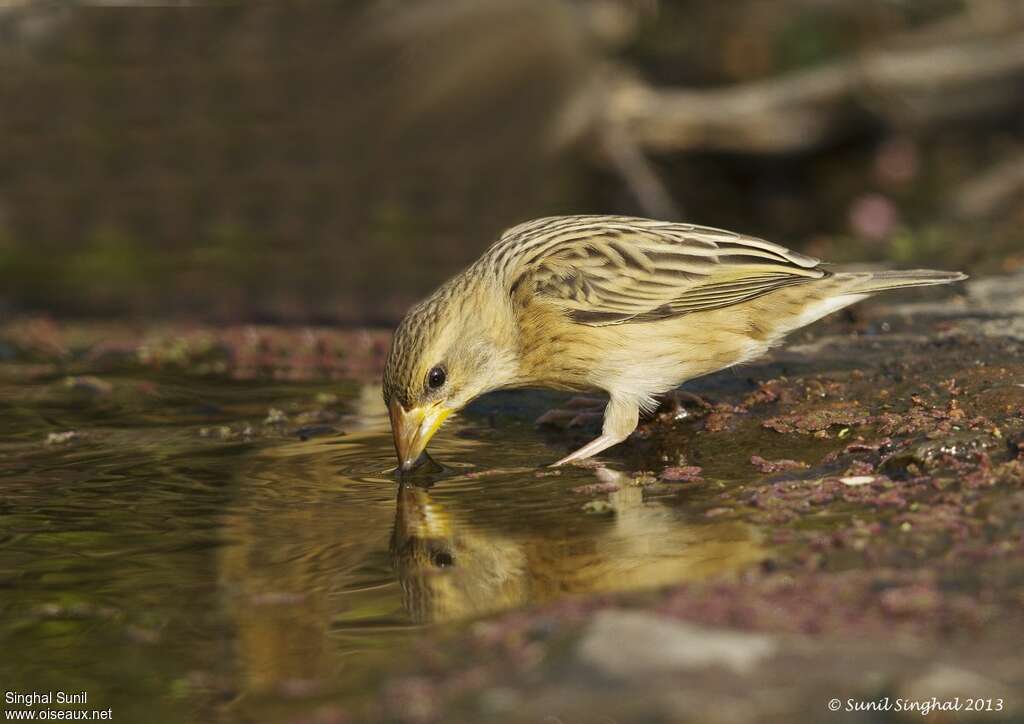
[453,566]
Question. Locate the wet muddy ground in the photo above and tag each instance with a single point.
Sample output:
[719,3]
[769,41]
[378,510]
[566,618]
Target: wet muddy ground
[206,524]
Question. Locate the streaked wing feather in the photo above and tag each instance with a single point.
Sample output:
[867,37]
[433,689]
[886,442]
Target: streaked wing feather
[612,270]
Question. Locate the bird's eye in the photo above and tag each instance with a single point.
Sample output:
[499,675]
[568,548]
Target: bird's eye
[443,560]
[436,378]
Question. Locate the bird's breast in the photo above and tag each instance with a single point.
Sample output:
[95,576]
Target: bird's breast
[556,353]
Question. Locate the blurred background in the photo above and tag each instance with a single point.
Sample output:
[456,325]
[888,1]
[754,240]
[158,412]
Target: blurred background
[316,161]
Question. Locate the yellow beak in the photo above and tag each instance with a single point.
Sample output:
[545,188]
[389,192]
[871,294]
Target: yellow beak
[412,430]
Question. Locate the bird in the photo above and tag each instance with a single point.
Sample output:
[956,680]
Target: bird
[630,306]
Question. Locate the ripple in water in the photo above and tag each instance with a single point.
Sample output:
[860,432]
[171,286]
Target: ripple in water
[255,561]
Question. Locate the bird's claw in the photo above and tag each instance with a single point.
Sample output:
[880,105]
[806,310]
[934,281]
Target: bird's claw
[676,403]
[577,412]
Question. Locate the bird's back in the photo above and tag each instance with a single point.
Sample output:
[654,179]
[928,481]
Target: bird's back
[600,296]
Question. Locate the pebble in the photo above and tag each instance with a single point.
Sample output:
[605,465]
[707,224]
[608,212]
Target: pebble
[682,474]
[631,644]
[62,438]
[856,480]
[275,417]
[309,431]
[89,384]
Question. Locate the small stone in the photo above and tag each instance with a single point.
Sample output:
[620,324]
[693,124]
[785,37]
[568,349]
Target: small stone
[856,480]
[62,438]
[643,478]
[317,416]
[309,431]
[596,488]
[775,466]
[598,506]
[275,417]
[910,600]
[89,384]
[219,432]
[682,474]
[633,644]
[477,474]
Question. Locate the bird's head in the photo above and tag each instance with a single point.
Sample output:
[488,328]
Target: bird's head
[447,351]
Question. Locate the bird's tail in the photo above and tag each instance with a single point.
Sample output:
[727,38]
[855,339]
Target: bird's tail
[871,282]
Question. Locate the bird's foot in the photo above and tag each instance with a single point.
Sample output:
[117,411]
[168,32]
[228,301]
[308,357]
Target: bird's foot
[578,411]
[680,404]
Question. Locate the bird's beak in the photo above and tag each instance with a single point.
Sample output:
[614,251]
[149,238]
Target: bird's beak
[413,429]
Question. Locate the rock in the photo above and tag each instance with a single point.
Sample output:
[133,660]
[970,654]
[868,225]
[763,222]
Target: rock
[857,480]
[818,419]
[912,600]
[1015,444]
[62,438]
[629,644]
[776,466]
[596,488]
[934,454]
[89,385]
[317,416]
[327,398]
[999,401]
[682,474]
[310,431]
[946,683]
[959,446]
[226,432]
[275,417]
[1000,294]
[1011,328]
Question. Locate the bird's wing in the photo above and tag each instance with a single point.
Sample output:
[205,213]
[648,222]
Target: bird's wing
[612,270]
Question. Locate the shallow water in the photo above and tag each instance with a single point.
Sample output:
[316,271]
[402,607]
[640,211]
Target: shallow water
[174,567]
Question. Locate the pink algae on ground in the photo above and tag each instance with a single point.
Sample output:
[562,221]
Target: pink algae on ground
[776,466]
[682,474]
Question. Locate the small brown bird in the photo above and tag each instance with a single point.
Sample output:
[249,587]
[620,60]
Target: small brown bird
[630,306]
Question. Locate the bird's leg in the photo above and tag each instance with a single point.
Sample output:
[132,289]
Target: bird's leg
[678,398]
[578,411]
[620,419]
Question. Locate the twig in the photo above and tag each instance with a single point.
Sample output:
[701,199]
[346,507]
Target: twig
[804,110]
[639,174]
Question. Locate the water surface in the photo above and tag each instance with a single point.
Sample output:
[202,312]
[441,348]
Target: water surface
[191,552]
